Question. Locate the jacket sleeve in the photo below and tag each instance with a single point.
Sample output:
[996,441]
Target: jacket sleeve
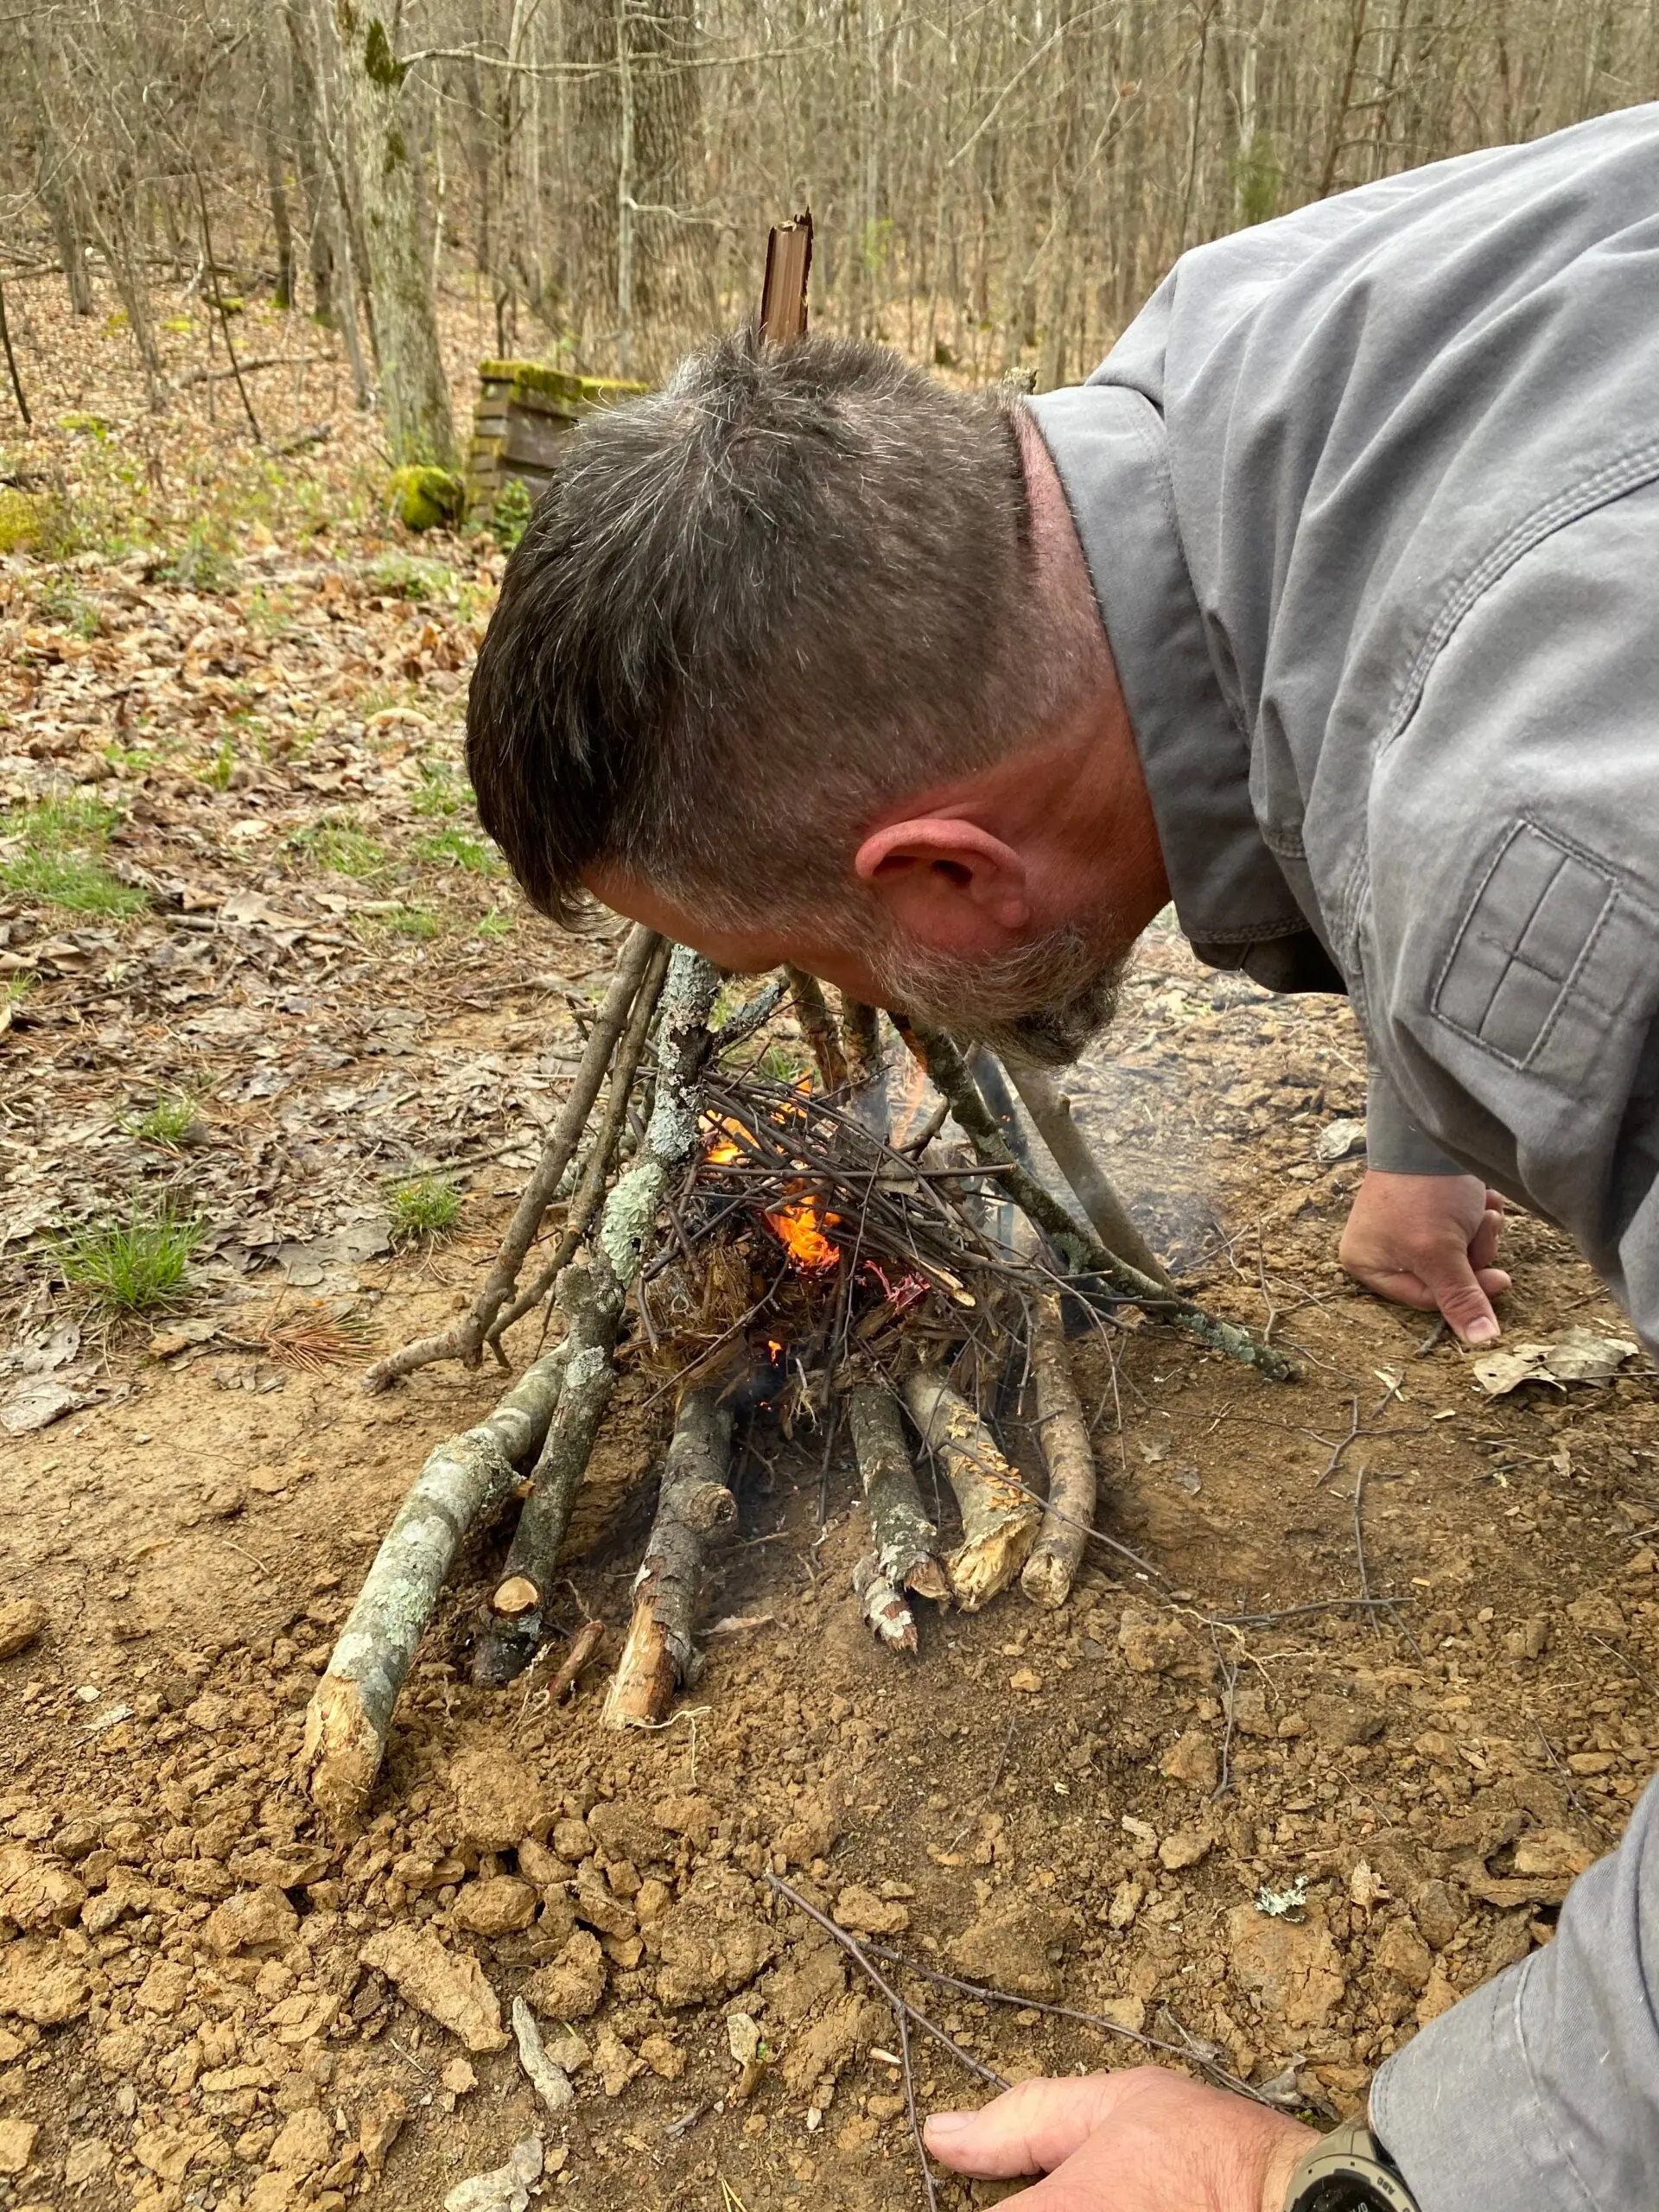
[1504,934]
[1393,1141]
[1540,2093]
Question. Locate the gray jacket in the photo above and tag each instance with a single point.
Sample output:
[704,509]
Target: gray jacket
[1371,499]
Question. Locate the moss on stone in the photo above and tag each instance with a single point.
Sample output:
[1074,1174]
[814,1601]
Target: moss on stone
[426,498]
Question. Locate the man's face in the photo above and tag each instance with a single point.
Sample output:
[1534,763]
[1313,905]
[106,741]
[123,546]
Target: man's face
[1041,1000]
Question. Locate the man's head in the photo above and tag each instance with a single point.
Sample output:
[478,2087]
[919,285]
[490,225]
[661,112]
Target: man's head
[772,636]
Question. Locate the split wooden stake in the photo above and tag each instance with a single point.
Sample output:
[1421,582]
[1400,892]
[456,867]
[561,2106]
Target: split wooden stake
[906,1542]
[1000,1518]
[1049,1573]
[696,1498]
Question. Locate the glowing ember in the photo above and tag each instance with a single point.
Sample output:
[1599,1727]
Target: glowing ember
[718,1153]
[800,1225]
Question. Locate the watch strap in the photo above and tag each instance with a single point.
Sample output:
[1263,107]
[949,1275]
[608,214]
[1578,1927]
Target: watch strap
[1349,2170]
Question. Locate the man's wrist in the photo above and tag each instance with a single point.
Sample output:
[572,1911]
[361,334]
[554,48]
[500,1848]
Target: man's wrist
[1285,2155]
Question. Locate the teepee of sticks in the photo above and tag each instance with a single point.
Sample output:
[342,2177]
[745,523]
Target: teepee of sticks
[822,1253]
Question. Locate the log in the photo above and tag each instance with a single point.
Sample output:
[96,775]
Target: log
[884,1610]
[350,1712]
[1000,1518]
[1082,1249]
[696,1498]
[592,1299]
[464,1340]
[1049,1573]
[906,1542]
[867,1067]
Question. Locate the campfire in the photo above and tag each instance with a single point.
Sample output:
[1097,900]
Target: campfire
[872,1256]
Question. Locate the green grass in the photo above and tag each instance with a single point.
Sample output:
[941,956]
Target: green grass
[203,564]
[420,923]
[454,847]
[342,849]
[60,856]
[133,1266]
[169,1121]
[402,575]
[783,1063]
[440,792]
[424,1207]
[495,923]
[218,769]
[65,608]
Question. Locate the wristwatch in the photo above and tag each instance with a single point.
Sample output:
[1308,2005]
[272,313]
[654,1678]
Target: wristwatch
[1349,2170]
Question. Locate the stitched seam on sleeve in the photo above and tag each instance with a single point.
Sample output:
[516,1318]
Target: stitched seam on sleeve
[1569,2166]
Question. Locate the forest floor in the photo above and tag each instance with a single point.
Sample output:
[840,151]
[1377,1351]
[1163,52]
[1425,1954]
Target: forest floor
[261,969]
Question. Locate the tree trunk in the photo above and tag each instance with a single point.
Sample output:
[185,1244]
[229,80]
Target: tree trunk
[313,174]
[275,182]
[403,308]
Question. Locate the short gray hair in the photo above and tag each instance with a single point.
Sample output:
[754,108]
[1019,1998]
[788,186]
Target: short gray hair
[750,611]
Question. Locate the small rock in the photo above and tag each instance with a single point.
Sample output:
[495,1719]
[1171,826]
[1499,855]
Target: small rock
[163,2151]
[1340,1721]
[17,2144]
[1439,1997]
[1126,1902]
[498,1801]
[450,1987]
[627,1833]
[379,2127]
[1129,2012]
[1337,1141]
[712,1943]
[1017,1943]
[254,1920]
[1186,1847]
[665,2059]
[305,2143]
[815,1830]
[1292,1967]
[1157,1643]
[613,2061]
[863,1913]
[1438,1912]
[1194,1761]
[1251,1715]
[1403,1954]
[23,1622]
[37,1892]
[1026,1680]
[165,1987]
[499,1905]
[1553,1854]
[85,2160]
[572,1841]
[599,1908]
[571,1987]
[505,2190]
[42,1982]
[687,1813]
[550,2082]
[458,2077]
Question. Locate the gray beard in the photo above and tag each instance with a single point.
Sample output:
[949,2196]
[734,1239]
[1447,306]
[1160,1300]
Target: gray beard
[1041,1003]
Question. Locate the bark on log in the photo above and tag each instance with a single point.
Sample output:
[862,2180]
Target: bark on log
[592,1298]
[1000,1518]
[1082,1250]
[906,1541]
[464,1340]
[1051,1113]
[885,1610]
[1069,1513]
[346,1723]
[659,1654]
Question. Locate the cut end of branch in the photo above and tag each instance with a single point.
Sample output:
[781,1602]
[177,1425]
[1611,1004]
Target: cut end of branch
[983,1567]
[341,1753]
[515,1596]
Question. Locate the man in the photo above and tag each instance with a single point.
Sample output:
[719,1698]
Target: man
[1328,608]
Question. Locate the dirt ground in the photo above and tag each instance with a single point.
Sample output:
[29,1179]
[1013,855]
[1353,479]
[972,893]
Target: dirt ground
[1285,1841]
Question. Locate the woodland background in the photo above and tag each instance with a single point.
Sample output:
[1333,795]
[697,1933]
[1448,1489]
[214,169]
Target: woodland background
[997,183]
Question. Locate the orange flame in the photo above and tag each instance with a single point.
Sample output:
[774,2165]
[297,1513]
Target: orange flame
[801,1226]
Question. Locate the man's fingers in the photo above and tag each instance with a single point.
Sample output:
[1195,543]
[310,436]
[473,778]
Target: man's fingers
[1028,2130]
[1455,1289]
[1483,1250]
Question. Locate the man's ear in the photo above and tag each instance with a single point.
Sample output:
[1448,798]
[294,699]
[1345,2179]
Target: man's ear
[949,881]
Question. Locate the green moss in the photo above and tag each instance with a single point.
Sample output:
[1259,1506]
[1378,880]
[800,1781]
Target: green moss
[92,426]
[424,498]
[33,522]
[401,575]
[379,62]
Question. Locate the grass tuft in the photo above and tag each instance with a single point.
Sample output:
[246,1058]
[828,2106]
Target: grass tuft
[423,1207]
[453,847]
[342,849]
[420,923]
[134,1266]
[496,924]
[59,860]
[440,792]
[169,1121]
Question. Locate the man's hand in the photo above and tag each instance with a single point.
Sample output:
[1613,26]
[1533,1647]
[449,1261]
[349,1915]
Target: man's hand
[1430,1241]
[1144,2140]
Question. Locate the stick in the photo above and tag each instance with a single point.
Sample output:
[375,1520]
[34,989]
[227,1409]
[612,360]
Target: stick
[593,1298]
[1048,1574]
[464,1340]
[601,1152]
[1083,1250]
[224,312]
[696,1499]
[906,1541]
[11,363]
[346,1722]
[819,1027]
[585,1642]
[1051,1113]
[1000,1519]
[886,1613]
